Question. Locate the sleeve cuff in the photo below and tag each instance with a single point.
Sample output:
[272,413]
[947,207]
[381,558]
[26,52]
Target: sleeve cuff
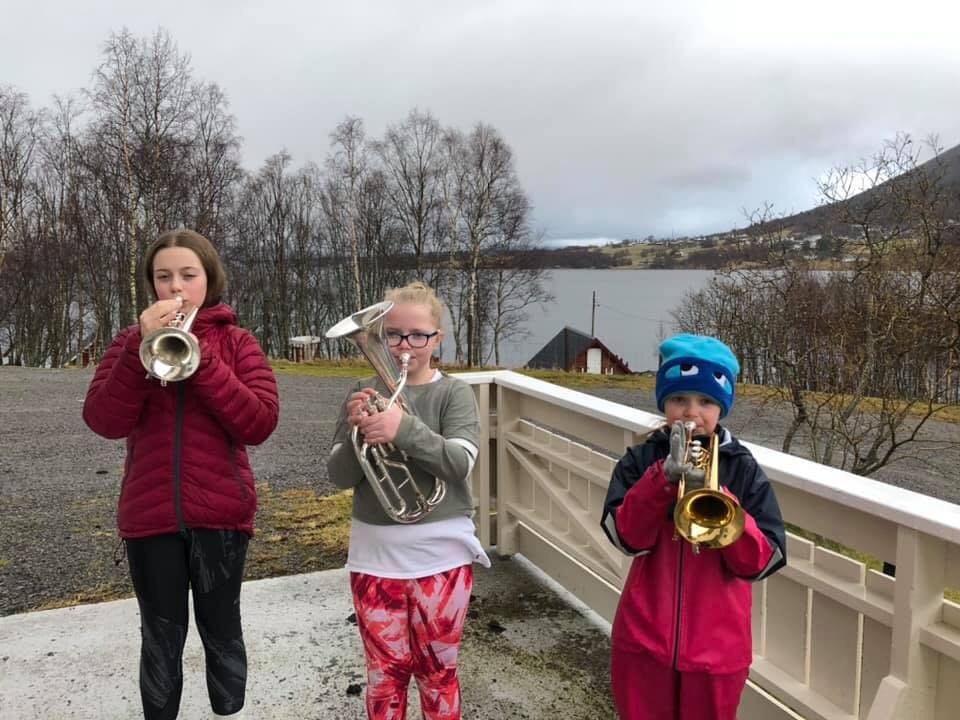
[407,424]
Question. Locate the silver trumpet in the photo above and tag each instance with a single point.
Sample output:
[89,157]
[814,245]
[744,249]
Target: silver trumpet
[384,466]
[172,353]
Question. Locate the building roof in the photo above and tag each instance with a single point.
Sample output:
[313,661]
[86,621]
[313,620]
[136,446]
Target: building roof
[565,347]
[561,350]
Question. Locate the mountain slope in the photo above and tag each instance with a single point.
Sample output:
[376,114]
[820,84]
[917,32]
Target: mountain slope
[943,170]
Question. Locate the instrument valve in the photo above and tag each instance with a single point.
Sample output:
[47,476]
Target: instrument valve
[696,451]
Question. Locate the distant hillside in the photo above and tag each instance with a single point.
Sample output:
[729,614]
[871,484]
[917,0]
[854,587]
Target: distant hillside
[811,234]
[814,235]
[945,166]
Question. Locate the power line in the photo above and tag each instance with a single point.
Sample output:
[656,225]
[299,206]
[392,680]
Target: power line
[637,317]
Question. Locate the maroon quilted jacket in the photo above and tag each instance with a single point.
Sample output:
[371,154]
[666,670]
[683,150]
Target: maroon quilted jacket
[186,460]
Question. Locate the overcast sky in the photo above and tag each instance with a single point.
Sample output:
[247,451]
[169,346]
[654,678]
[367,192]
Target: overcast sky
[626,118]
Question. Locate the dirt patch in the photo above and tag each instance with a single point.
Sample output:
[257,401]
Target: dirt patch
[298,531]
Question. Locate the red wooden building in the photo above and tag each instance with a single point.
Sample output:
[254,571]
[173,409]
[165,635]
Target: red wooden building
[575,351]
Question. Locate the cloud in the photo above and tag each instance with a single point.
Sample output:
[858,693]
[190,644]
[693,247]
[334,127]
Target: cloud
[625,120]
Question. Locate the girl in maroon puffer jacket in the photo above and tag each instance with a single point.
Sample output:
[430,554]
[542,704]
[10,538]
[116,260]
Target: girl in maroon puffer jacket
[187,499]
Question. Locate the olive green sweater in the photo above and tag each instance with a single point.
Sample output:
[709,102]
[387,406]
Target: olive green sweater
[440,439]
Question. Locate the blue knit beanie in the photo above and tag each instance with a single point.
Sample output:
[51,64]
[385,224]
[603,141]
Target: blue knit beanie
[697,364]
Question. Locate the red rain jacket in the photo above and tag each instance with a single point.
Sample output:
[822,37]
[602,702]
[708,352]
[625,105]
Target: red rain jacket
[186,464]
[690,611]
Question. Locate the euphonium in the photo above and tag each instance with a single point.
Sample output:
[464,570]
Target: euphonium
[704,516]
[384,466]
[172,353]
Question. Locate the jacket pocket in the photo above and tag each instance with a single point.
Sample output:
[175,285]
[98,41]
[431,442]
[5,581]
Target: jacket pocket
[235,472]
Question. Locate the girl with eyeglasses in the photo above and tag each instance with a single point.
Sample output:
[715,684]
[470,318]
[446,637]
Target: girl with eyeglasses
[411,583]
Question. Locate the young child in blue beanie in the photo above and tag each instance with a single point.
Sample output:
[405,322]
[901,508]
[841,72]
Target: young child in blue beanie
[681,640]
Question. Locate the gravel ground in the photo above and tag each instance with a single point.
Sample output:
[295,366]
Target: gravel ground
[59,481]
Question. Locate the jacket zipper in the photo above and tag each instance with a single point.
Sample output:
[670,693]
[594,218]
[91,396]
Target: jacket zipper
[127,464]
[676,630]
[177,457]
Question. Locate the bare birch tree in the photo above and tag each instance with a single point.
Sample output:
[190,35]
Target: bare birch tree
[19,134]
[412,157]
[113,99]
[486,193]
[346,169]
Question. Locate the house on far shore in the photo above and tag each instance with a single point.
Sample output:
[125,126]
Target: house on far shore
[575,351]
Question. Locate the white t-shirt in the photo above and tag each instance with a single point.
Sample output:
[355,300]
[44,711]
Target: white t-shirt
[413,551]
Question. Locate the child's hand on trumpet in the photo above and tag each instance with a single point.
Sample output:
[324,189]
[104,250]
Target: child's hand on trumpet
[160,315]
[677,466]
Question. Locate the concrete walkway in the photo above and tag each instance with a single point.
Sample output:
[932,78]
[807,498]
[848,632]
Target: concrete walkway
[529,652]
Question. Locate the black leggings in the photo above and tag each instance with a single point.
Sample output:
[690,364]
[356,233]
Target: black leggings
[163,567]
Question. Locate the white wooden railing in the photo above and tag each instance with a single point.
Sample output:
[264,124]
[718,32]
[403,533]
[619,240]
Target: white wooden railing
[833,640]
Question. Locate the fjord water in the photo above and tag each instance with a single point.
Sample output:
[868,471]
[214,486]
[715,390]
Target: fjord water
[632,316]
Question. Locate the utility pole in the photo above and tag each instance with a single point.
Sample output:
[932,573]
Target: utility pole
[593,313]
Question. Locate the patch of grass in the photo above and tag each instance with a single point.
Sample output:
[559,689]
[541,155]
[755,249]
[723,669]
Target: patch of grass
[299,531]
[324,368]
[943,413]
[640,254]
[647,381]
[350,367]
[3,563]
[104,592]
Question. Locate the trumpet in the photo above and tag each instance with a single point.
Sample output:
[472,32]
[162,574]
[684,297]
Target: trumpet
[172,353]
[704,516]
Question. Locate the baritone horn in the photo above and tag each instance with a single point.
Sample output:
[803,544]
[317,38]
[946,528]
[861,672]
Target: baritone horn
[172,353]
[704,516]
[384,466]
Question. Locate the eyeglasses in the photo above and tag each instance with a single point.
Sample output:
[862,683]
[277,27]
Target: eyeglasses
[414,339]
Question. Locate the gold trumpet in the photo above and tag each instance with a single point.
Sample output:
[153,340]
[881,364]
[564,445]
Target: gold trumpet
[704,516]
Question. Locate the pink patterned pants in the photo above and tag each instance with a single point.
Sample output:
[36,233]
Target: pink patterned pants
[412,627]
